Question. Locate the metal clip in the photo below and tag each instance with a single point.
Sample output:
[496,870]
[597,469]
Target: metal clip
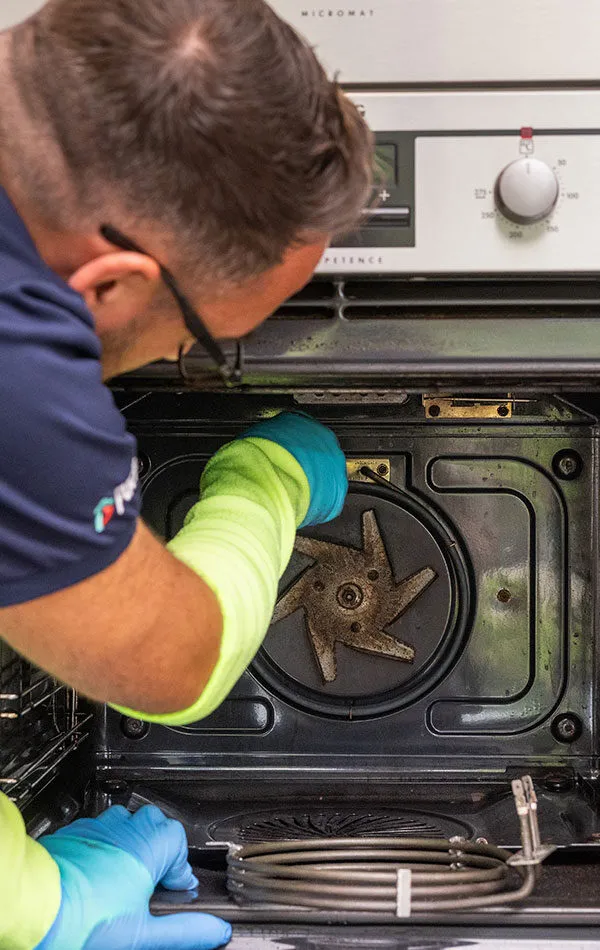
[444,406]
[229,374]
[526,803]
[231,846]
[381,467]
[457,852]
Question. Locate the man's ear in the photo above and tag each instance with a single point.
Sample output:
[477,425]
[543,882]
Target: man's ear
[117,287]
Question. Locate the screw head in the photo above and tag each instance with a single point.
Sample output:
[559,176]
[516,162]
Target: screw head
[350,596]
[382,469]
[567,465]
[504,595]
[134,728]
[113,786]
[69,808]
[567,728]
[434,411]
[559,782]
[503,411]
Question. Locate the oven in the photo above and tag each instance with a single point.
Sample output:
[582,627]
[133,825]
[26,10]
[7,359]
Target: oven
[436,646]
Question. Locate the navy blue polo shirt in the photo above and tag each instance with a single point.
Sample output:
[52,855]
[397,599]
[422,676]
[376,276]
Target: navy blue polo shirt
[69,497]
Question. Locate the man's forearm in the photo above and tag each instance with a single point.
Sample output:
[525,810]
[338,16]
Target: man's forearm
[145,633]
[239,539]
[169,632]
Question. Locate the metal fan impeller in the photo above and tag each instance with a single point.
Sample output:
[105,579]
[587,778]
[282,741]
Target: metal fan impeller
[350,596]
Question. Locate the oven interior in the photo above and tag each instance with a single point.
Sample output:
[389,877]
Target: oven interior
[434,643]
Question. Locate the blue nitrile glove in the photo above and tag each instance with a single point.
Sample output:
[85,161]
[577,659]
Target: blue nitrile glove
[109,868]
[318,452]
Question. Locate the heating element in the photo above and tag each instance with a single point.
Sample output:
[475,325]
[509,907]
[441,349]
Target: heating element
[391,877]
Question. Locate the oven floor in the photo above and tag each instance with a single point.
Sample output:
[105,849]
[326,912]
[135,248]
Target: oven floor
[575,884]
[414,938]
[565,894]
[569,883]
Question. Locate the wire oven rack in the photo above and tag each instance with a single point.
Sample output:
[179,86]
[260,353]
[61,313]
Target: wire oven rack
[41,723]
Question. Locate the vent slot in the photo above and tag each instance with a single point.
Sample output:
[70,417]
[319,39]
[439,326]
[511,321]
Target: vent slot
[374,310]
[308,311]
[319,300]
[436,298]
[316,291]
[337,824]
[492,291]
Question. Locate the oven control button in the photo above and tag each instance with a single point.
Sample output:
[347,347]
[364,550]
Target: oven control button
[526,191]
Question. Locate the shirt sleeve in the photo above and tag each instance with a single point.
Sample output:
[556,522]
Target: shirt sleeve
[30,894]
[69,497]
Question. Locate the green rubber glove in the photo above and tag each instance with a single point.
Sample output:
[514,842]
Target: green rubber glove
[239,539]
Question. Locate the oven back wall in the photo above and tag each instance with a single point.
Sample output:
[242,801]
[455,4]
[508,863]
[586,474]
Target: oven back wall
[444,624]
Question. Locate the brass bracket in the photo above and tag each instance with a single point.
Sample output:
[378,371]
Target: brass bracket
[380,465]
[459,407]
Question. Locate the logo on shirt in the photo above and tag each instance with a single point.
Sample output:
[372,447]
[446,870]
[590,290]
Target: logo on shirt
[108,507]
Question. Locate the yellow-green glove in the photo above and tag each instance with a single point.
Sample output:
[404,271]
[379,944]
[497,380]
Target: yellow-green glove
[239,537]
[30,889]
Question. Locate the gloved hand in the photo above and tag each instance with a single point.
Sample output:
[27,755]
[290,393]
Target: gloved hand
[255,492]
[318,452]
[109,868]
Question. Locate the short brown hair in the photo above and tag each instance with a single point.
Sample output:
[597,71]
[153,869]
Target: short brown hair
[212,119]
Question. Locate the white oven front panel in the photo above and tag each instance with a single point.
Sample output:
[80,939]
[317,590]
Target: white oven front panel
[452,149]
[449,41]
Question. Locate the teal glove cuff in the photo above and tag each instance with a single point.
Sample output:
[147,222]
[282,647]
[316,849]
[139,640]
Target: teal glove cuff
[318,453]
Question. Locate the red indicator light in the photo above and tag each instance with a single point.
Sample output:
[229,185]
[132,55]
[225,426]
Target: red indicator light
[526,132]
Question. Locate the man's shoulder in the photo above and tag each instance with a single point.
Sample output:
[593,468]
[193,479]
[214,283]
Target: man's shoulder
[68,472]
[41,308]
[33,299]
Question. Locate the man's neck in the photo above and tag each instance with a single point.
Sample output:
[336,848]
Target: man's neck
[63,251]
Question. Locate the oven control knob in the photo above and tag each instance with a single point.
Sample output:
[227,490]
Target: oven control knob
[526,191]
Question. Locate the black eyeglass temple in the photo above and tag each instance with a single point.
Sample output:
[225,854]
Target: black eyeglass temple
[231,373]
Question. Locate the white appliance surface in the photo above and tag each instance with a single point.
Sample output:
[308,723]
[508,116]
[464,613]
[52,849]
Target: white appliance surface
[14,11]
[449,41]
[461,143]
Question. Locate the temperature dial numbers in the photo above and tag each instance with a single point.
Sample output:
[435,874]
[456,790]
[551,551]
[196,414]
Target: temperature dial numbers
[526,191]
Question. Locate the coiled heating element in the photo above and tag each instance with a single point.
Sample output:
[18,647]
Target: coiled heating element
[391,877]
